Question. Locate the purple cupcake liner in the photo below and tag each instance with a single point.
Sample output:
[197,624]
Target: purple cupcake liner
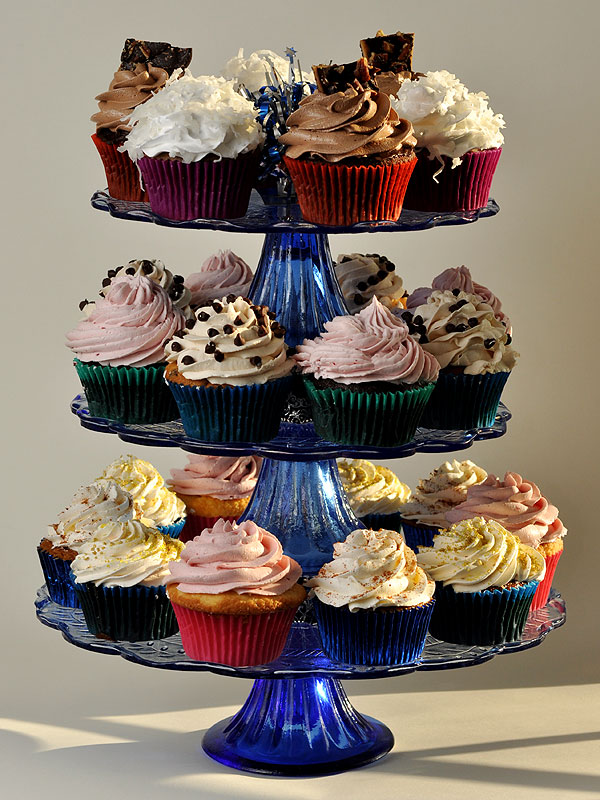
[464,188]
[200,190]
[57,574]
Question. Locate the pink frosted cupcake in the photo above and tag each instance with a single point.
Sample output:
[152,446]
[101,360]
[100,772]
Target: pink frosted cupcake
[119,352]
[214,487]
[221,274]
[235,595]
[519,506]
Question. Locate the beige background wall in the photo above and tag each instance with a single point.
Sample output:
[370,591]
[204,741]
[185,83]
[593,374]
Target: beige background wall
[539,256]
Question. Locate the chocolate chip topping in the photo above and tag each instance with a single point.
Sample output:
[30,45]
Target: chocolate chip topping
[489,344]
[231,298]
[450,328]
[359,300]
[179,334]
[256,361]
[461,328]
[418,320]
[362,286]
[176,347]
[202,316]
[262,331]
[238,341]
[271,314]
[508,338]
[455,292]
[219,356]
[217,307]
[382,274]
[406,316]
[227,328]
[473,322]
[83,304]
[372,280]
[187,360]
[106,282]
[189,323]
[390,266]
[212,332]
[112,273]
[147,267]
[130,271]
[238,321]
[210,348]
[178,279]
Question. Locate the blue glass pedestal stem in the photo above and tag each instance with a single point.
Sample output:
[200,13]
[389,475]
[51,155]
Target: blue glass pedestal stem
[295,278]
[301,726]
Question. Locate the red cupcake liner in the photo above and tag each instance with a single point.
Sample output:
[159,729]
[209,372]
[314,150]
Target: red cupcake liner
[540,598]
[195,524]
[122,174]
[201,190]
[464,188]
[239,641]
[334,194]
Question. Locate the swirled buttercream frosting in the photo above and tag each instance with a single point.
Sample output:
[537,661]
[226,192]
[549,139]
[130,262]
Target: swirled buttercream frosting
[460,330]
[222,273]
[128,89]
[372,489]
[251,71]
[517,504]
[154,269]
[446,487]
[191,118]
[477,554]
[152,501]
[98,502]
[371,569]
[231,342]
[128,326]
[372,345]
[244,559]
[217,476]
[447,118]
[362,277]
[350,124]
[125,554]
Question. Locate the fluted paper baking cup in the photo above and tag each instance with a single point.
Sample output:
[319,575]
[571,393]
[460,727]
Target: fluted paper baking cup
[173,530]
[232,413]
[540,598]
[389,522]
[462,402]
[237,640]
[122,175]
[492,616]
[416,535]
[373,637]
[195,524]
[201,190]
[57,574]
[335,194]
[380,419]
[463,188]
[136,395]
[127,613]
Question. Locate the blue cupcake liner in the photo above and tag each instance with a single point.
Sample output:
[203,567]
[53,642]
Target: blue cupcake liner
[389,522]
[127,613]
[416,535]
[172,530]
[232,413]
[492,616]
[57,574]
[462,402]
[373,637]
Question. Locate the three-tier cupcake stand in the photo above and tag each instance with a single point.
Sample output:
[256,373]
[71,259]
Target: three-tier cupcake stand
[297,719]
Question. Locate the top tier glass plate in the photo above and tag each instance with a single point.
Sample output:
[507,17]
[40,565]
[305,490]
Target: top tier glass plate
[285,217]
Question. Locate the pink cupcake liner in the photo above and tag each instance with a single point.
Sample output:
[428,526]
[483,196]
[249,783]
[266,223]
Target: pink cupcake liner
[540,598]
[464,188]
[122,175]
[201,190]
[195,524]
[239,641]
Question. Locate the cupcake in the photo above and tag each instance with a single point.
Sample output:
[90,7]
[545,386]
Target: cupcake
[374,493]
[363,277]
[153,503]
[520,507]
[372,602]
[221,274]
[458,142]
[119,352]
[197,145]
[214,487]
[475,356]
[350,157]
[367,379]
[485,581]
[235,595]
[229,372]
[144,69]
[101,501]
[446,487]
[251,71]
[119,577]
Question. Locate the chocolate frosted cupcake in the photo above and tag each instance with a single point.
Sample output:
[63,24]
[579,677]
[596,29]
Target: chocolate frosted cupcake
[229,372]
[350,157]
[367,379]
[374,493]
[119,352]
[362,277]
[222,273]
[475,356]
[144,69]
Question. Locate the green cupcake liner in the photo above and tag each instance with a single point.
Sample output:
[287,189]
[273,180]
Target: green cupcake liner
[379,419]
[462,402]
[136,395]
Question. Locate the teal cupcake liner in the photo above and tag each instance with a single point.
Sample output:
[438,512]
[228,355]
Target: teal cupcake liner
[172,530]
[416,535]
[127,613]
[373,637]
[462,402]
[136,395]
[57,574]
[379,419]
[389,522]
[492,616]
[232,413]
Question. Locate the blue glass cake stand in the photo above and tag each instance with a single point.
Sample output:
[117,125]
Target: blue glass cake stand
[297,719]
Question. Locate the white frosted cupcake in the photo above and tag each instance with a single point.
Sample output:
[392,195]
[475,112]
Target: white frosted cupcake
[362,277]
[374,493]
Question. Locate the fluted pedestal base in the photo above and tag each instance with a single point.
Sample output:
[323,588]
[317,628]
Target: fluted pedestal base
[303,727]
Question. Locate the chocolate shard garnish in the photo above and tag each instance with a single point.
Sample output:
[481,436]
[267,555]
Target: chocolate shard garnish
[332,78]
[389,52]
[159,54]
